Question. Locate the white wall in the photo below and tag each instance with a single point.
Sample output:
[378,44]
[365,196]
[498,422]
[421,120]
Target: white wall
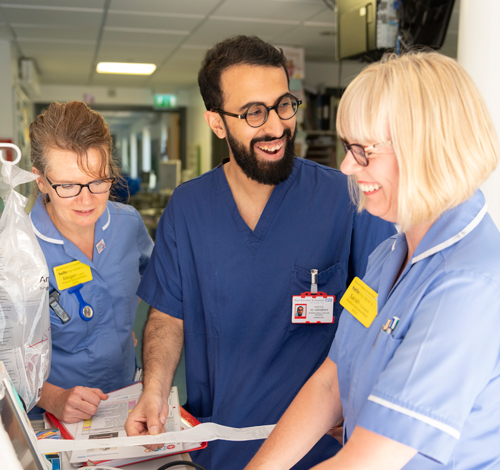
[8,75]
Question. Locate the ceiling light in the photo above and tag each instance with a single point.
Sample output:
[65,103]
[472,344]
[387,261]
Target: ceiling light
[127,68]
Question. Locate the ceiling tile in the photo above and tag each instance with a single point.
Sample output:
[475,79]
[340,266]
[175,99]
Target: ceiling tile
[42,47]
[151,20]
[266,9]
[54,17]
[172,79]
[99,79]
[180,66]
[74,69]
[55,31]
[191,53]
[54,3]
[214,31]
[141,37]
[191,7]
[133,52]
[324,18]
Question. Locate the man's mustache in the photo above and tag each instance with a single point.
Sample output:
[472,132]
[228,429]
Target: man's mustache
[269,138]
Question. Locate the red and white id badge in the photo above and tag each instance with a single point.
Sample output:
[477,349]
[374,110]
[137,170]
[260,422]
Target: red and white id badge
[313,308]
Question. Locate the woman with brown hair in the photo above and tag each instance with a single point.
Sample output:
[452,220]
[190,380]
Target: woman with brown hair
[96,251]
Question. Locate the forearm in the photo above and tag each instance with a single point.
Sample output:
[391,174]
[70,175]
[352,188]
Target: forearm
[366,450]
[49,397]
[161,349]
[313,412]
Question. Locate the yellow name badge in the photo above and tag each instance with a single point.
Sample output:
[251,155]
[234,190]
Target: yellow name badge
[72,274]
[360,301]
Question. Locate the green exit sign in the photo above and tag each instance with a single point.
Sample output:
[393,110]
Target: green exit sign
[165,101]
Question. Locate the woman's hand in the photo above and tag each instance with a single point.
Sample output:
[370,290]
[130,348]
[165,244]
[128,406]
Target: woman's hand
[71,405]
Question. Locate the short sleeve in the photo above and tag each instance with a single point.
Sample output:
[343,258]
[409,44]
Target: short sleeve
[447,355]
[368,233]
[161,285]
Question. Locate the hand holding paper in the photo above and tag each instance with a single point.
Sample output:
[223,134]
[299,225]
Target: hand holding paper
[148,416]
[71,405]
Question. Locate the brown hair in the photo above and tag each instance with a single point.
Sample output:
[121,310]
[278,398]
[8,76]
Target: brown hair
[72,126]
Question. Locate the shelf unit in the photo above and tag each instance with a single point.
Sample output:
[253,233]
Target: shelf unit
[319,127]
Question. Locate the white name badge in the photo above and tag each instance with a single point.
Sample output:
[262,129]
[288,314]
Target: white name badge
[313,308]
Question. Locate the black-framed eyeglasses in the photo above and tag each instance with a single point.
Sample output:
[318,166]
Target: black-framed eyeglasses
[359,152]
[256,115]
[74,189]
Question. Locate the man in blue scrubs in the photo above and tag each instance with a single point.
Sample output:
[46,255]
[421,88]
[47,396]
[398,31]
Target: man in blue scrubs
[232,248]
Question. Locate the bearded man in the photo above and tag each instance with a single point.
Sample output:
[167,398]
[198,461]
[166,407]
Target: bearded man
[232,248]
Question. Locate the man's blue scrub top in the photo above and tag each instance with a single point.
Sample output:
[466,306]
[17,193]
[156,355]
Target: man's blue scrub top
[100,352]
[434,383]
[245,360]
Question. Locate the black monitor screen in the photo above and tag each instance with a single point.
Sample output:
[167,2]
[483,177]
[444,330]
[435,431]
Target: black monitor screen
[424,22]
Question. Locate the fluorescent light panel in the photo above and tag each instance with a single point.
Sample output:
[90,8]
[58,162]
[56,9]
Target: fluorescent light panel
[125,68]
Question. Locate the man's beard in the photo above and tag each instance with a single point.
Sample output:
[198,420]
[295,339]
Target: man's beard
[264,172]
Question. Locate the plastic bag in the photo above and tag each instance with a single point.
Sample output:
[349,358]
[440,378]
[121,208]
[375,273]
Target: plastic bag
[25,342]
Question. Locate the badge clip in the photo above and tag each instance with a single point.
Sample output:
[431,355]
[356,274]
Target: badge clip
[86,310]
[56,306]
[314,281]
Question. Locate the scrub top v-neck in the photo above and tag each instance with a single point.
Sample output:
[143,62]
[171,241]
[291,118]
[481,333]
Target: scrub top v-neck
[253,238]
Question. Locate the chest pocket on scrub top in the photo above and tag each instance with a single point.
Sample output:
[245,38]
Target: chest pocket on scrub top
[332,281]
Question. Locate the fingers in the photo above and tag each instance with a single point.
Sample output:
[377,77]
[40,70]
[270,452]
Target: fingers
[156,422]
[136,423]
[80,403]
[156,417]
[99,393]
[148,417]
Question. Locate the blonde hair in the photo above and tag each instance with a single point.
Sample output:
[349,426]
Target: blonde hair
[442,134]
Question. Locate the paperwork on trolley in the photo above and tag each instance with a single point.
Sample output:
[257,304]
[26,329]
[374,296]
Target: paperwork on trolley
[109,422]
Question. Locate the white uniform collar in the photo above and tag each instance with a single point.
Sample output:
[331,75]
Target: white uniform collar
[45,229]
[452,226]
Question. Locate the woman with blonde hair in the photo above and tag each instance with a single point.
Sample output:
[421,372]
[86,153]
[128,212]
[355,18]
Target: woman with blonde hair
[414,368]
[96,251]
